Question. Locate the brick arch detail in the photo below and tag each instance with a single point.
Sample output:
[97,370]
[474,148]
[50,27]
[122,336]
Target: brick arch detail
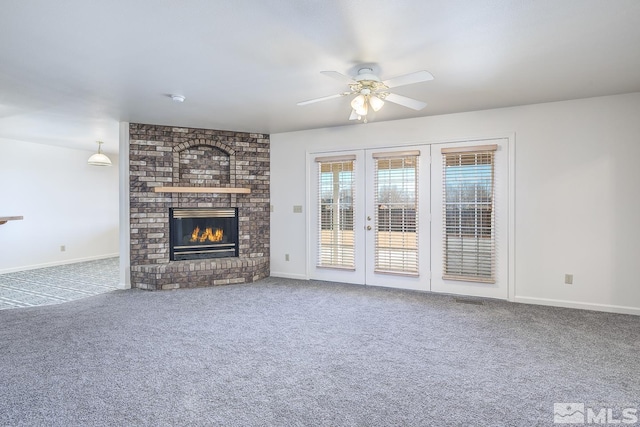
[201,141]
[179,148]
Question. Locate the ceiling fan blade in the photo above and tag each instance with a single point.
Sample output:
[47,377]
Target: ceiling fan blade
[338,76]
[414,104]
[407,79]
[324,98]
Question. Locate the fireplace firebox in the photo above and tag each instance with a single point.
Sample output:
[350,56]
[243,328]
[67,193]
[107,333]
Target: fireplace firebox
[200,233]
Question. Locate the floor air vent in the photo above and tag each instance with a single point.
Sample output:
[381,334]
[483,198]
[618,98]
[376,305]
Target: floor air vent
[469,301]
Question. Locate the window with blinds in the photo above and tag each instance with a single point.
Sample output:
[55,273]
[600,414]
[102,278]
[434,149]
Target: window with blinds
[396,214]
[336,197]
[468,213]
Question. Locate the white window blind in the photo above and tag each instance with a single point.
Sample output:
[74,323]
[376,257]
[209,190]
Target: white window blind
[396,214]
[336,197]
[468,213]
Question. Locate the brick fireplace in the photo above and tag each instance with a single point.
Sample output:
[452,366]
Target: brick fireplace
[180,169]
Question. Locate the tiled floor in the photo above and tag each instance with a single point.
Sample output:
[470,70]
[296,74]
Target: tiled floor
[53,285]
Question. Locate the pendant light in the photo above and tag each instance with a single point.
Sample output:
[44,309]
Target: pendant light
[99,159]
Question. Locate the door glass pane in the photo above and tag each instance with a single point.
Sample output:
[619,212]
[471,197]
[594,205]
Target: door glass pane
[396,225]
[469,236]
[336,204]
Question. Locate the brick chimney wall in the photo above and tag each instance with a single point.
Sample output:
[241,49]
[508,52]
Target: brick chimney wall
[165,156]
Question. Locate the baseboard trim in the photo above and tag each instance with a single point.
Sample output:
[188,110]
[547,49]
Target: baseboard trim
[288,275]
[56,263]
[579,305]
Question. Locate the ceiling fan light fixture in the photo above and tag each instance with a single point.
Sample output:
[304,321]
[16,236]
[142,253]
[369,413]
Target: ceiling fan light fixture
[358,102]
[363,109]
[376,103]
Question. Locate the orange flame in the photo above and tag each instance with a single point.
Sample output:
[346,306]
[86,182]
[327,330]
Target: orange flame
[208,234]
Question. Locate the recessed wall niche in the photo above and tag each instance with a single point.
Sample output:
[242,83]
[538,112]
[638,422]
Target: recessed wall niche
[203,165]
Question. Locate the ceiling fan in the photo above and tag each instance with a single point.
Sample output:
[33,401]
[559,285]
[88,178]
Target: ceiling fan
[372,92]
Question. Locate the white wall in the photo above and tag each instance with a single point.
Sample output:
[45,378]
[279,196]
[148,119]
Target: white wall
[64,202]
[577,186]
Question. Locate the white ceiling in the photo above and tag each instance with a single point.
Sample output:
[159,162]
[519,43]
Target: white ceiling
[70,70]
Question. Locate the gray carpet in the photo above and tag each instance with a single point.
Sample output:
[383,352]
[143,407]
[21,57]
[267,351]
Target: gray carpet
[293,353]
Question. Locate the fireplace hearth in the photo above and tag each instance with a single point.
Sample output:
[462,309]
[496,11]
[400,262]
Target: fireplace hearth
[202,233]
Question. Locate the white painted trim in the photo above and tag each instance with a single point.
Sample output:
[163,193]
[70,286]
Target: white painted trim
[125,228]
[288,275]
[501,288]
[56,263]
[509,136]
[579,305]
[307,212]
[511,217]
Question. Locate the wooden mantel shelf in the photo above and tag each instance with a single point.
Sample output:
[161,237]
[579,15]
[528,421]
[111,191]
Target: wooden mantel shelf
[4,219]
[221,190]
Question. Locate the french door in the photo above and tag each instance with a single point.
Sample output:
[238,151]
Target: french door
[369,217]
[430,217]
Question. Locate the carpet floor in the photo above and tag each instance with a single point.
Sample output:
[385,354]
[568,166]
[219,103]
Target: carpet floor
[283,352]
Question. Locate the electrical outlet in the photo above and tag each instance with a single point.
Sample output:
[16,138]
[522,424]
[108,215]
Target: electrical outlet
[286,257]
[63,248]
[297,208]
[568,279]
[271,208]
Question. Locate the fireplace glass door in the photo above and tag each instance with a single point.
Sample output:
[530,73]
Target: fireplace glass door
[197,233]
